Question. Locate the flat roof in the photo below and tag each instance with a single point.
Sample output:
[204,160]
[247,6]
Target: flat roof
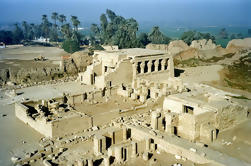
[133,52]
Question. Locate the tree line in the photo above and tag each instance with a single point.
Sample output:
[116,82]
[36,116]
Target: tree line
[116,30]
[112,30]
[56,28]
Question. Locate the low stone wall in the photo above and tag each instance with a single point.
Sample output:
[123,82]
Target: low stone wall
[43,127]
[58,128]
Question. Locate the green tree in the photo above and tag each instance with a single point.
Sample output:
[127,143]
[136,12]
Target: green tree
[111,15]
[95,29]
[32,31]
[26,30]
[157,37]
[6,37]
[223,34]
[62,19]
[66,31]
[17,34]
[233,36]
[117,31]
[75,22]
[189,36]
[70,46]
[240,36]
[45,26]
[54,17]
[143,39]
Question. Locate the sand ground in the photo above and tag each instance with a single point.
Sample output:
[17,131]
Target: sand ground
[31,52]
[12,134]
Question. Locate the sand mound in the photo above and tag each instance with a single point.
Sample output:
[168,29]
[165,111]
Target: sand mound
[239,44]
[177,46]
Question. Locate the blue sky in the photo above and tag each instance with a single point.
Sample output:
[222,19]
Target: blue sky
[171,12]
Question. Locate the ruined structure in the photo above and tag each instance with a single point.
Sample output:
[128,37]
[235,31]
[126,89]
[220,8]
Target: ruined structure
[133,111]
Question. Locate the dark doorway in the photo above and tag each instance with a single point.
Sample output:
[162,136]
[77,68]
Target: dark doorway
[108,142]
[148,94]
[85,96]
[177,72]
[97,162]
[175,130]
[128,133]
[164,123]
[125,154]
[217,132]
[65,99]
[103,92]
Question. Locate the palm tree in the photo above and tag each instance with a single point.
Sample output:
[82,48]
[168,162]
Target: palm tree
[25,26]
[75,22]
[54,17]
[44,17]
[32,31]
[62,19]
[45,26]
[66,30]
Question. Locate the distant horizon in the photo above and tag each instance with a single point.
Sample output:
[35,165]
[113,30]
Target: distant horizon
[179,13]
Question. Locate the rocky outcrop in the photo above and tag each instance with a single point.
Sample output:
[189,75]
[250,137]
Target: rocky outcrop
[239,44]
[187,54]
[177,46]
[203,44]
[203,49]
[81,60]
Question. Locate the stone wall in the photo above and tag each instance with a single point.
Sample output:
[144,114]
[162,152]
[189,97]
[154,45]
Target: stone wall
[40,125]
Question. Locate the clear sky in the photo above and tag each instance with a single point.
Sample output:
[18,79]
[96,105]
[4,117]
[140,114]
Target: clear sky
[171,12]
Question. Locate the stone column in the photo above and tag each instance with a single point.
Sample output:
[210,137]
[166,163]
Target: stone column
[154,120]
[106,161]
[99,144]
[156,65]
[118,153]
[134,149]
[149,66]
[171,67]
[148,142]
[124,133]
[168,127]
[112,135]
[90,162]
[167,61]
[109,152]
[163,63]
[80,162]
[134,69]
[142,67]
